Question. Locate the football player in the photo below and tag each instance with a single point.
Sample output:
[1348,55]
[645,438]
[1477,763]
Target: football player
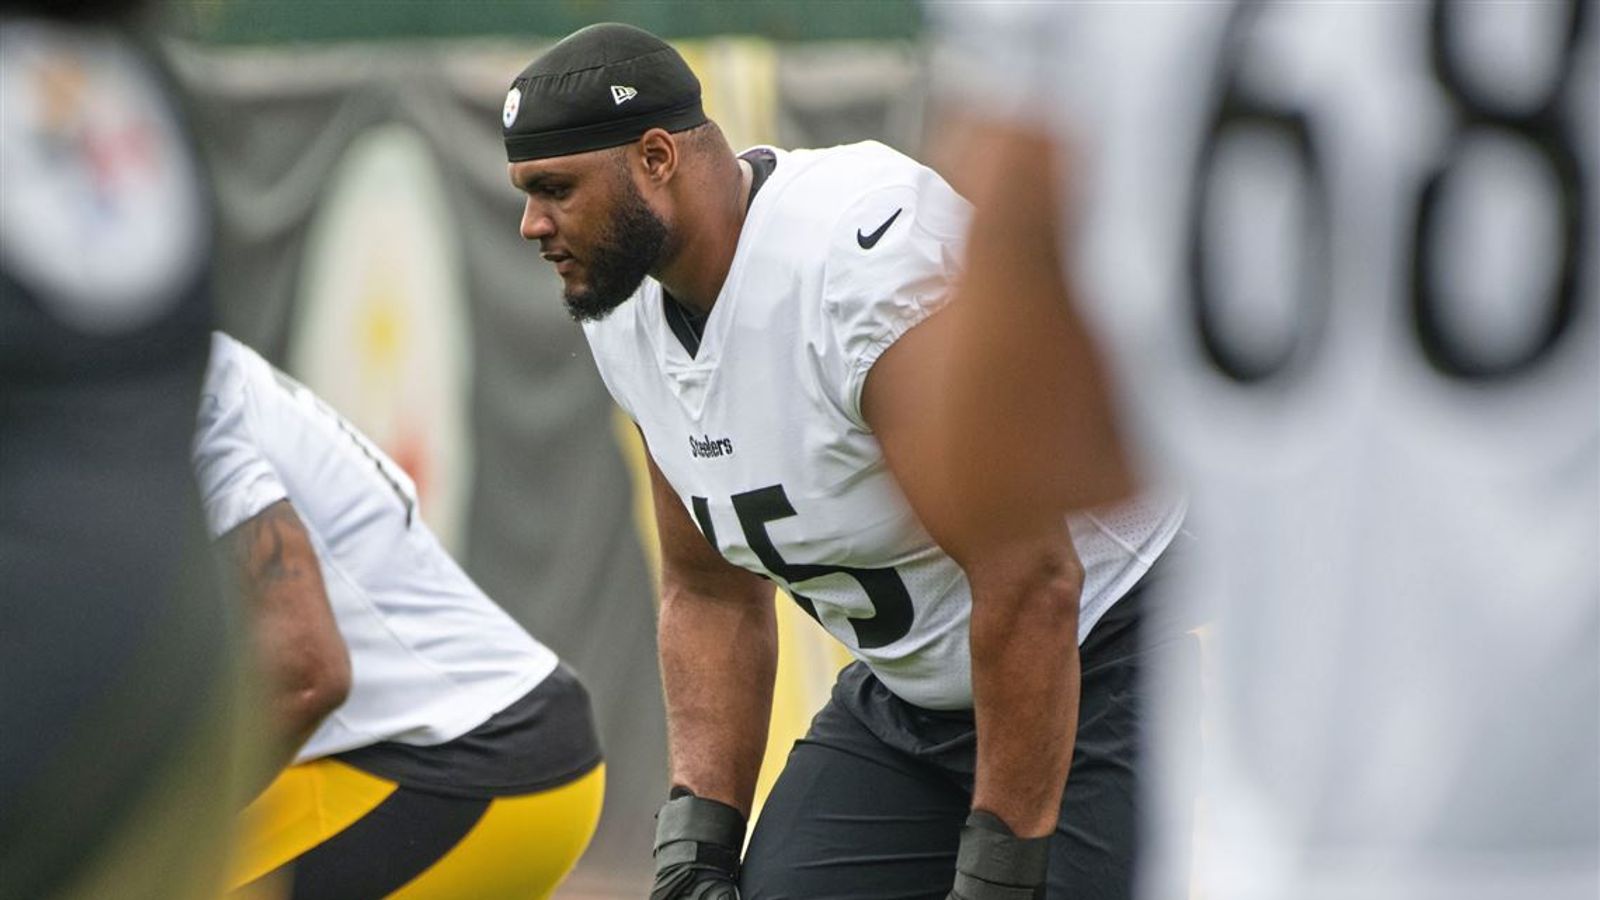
[438,751]
[766,321]
[1343,258]
[118,740]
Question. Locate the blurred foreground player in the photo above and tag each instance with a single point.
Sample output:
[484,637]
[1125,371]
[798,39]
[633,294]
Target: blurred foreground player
[118,748]
[764,319]
[1343,257]
[439,750]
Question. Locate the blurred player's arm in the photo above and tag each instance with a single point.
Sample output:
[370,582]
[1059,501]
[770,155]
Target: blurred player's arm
[303,657]
[719,651]
[1027,411]
[1025,579]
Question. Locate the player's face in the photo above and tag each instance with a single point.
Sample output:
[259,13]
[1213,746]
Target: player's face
[593,224]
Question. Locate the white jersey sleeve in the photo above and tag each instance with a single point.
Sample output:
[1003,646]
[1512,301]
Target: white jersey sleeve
[236,482]
[891,260]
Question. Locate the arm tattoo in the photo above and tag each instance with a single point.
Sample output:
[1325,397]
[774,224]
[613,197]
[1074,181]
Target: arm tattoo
[258,545]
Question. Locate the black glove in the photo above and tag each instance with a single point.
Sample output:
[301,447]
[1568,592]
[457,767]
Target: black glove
[697,850]
[992,863]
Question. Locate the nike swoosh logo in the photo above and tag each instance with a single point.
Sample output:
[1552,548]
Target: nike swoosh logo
[868,241]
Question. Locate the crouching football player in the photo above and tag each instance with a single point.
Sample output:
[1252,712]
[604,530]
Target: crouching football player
[437,750]
[770,320]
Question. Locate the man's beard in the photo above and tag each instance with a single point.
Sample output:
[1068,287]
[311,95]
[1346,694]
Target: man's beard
[630,246]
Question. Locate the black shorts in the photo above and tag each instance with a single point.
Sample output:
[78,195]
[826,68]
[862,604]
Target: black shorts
[871,801]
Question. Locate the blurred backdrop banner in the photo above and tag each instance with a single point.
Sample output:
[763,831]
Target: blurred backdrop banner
[369,245]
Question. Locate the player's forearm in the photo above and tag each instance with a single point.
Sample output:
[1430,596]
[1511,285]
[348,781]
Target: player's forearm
[719,656]
[1025,684]
[304,662]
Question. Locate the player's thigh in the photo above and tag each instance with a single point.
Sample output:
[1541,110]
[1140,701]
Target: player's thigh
[521,849]
[305,806]
[854,819]
[325,830]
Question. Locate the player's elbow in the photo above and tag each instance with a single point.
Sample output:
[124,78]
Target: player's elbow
[1029,590]
[318,685]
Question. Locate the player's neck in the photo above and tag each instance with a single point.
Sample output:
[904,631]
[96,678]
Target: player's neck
[709,232]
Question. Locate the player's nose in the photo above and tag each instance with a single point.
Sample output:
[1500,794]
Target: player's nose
[536,224]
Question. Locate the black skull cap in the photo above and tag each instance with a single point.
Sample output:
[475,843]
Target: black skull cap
[602,86]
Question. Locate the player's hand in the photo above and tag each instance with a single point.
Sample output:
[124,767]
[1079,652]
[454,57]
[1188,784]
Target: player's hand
[697,850]
[992,863]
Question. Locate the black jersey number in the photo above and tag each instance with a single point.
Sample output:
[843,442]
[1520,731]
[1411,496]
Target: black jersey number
[891,602]
[1241,113]
[1543,127]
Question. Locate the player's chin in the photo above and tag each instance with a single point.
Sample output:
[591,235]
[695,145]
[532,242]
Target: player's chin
[585,304]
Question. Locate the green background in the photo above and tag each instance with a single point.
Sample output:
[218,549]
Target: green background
[277,21]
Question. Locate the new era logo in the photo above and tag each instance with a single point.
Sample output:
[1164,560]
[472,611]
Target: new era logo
[621,93]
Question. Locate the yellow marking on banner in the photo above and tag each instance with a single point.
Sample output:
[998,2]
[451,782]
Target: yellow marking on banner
[738,86]
[382,326]
[808,661]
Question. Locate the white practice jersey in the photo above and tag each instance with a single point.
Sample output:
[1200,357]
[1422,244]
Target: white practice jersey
[1345,256]
[760,432]
[431,656]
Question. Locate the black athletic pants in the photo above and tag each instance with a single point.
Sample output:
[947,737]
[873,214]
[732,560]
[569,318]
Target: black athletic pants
[871,801]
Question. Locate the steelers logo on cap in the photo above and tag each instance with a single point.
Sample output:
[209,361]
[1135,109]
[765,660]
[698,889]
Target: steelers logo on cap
[513,103]
[601,86]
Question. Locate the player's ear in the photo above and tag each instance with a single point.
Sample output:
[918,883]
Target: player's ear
[658,153]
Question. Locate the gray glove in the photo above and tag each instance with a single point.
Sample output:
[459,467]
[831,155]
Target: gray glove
[992,863]
[697,850]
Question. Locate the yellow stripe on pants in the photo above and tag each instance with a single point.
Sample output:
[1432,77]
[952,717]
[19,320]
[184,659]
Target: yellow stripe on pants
[520,849]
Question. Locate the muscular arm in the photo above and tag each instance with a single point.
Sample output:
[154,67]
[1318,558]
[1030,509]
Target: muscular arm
[303,658]
[1025,677]
[1025,579]
[1026,406]
[996,417]
[719,654]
